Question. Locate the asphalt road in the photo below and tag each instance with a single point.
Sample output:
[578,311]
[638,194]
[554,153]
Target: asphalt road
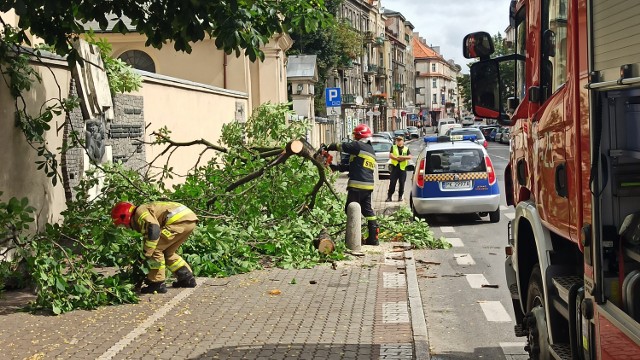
[464,319]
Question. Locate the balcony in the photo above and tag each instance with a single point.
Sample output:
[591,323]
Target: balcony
[371,70]
[368,37]
[399,87]
[382,72]
[348,99]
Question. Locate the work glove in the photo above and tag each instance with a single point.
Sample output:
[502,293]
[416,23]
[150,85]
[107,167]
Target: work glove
[332,147]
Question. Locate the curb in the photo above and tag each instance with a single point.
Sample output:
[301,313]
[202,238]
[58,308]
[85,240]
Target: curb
[418,320]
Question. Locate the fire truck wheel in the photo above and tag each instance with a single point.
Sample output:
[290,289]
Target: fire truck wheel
[538,337]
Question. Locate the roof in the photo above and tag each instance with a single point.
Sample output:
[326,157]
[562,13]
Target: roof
[462,144]
[422,51]
[302,67]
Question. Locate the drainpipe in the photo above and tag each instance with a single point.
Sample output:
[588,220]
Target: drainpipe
[224,73]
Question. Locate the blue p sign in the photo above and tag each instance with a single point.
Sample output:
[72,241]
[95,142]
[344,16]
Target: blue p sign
[333,98]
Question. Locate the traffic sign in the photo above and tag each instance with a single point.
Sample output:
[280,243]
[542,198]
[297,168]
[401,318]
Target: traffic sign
[333,97]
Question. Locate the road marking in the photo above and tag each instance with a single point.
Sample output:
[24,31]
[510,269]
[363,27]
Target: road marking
[500,157]
[447,229]
[394,280]
[476,280]
[395,312]
[510,216]
[464,259]
[513,348]
[494,311]
[142,328]
[455,242]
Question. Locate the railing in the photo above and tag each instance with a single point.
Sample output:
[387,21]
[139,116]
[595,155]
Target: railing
[382,72]
[378,41]
[348,98]
[371,69]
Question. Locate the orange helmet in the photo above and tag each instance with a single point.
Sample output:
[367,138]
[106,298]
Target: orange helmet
[362,131]
[121,213]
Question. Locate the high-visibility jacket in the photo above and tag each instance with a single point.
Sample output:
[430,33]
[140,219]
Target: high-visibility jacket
[395,151]
[151,219]
[362,164]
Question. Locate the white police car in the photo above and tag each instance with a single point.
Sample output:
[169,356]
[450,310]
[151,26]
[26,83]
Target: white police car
[455,175]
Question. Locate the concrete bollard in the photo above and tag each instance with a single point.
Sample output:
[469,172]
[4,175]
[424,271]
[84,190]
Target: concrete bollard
[354,227]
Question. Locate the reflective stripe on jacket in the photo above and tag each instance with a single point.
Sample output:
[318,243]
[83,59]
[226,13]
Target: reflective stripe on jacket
[362,164]
[161,213]
[395,151]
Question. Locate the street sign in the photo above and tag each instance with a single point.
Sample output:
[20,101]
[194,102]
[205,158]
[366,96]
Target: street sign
[333,97]
[335,111]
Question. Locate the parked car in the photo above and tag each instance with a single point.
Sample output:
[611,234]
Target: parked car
[414,133]
[500,133]
[487,129]
[506,135]
[401,132]
[382,147]
[384,135]
[467,121]
[480,139]
[455,175]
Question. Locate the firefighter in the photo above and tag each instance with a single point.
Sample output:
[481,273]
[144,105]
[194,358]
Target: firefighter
[362,164]
[164,226]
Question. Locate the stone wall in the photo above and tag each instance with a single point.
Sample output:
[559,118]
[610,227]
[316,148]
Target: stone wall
[126,132]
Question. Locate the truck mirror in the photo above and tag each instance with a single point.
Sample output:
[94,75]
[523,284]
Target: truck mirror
[478,44]
[512,104]
[485,89]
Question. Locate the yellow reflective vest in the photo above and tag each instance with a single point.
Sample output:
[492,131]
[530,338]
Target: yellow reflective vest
[396,152]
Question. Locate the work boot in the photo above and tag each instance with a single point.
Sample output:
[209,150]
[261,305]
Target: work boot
[373,228]
[185,278]
[400,198]
[154,287]
[389,198]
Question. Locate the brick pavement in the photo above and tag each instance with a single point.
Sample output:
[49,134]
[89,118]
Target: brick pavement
[357,311]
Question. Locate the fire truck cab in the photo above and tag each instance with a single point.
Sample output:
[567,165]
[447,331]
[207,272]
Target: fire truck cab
[571,93]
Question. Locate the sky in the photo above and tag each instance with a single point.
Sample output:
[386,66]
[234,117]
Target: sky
[444,23]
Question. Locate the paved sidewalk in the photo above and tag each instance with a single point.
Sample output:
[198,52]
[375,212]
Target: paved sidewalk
[358,309]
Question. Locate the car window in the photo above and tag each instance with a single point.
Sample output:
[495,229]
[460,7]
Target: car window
[468,131]
[381,147]
[454,161]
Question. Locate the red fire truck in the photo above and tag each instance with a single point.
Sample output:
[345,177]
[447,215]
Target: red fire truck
[571,93]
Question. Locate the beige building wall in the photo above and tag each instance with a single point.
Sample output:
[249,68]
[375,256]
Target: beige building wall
[191,112]
[19,176]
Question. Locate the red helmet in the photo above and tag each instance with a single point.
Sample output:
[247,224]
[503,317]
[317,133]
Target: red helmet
[362,131]
[121,213]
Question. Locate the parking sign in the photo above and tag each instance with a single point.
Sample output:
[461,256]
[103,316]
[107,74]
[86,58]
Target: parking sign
[333,97]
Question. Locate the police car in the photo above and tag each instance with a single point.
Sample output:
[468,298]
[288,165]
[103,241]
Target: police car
[455,175]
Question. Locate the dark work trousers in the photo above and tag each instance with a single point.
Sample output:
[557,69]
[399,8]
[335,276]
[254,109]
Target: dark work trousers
[362,197]
[397,174]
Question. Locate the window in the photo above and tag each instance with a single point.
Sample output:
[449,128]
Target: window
[521,49]
[434,83]
[435,98]
[554,65]
[433,67]
[139,60]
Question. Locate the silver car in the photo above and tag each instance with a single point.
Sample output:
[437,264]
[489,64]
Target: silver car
[382,147]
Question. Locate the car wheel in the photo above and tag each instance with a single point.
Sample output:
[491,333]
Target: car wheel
[413,209]
[494,216]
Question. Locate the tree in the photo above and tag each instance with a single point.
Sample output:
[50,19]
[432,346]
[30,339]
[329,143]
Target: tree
[236,25]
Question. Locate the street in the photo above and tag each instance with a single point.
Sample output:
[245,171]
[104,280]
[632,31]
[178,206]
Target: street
[464,319]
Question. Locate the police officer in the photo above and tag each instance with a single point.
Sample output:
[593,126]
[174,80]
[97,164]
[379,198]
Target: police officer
[399,155]
[362,164]
[165,226]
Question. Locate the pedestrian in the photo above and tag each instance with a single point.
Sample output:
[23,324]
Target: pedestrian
[362,164]
[165,226]
[399,155]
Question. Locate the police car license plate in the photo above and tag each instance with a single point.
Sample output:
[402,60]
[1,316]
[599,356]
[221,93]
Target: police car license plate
[382,167]
[456,184]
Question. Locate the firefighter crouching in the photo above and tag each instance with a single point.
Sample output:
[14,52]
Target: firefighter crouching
[164,226]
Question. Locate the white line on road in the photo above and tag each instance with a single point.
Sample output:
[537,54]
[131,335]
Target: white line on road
[464,259]
[447,229]
[476,280]
[494,311]
[500,157]
[455,242]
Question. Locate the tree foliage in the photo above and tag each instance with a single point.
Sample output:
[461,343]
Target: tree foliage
[236,25]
